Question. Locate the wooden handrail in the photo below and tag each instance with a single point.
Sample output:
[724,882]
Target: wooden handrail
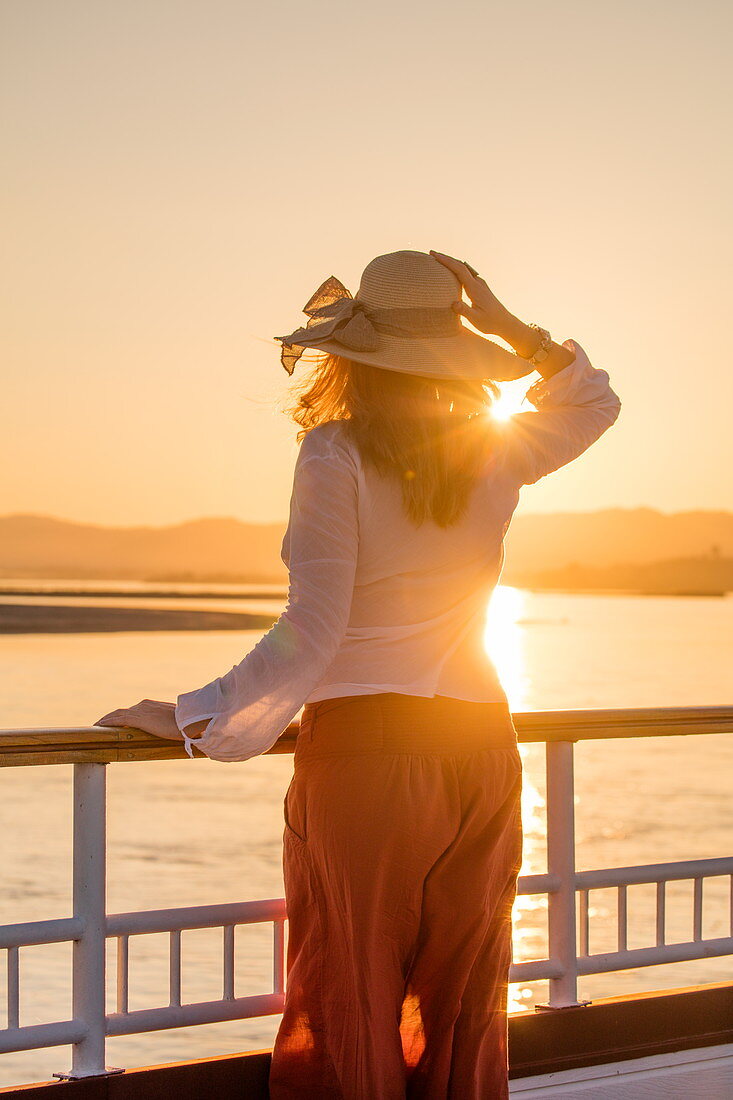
[108,745]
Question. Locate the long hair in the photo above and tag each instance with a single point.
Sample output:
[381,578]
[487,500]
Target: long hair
[430,435]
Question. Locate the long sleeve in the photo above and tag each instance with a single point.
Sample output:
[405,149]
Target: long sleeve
[256,700]
[574,407]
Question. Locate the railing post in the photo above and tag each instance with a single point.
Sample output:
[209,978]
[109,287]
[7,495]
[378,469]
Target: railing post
[89,895]
[561,862]
[278,957]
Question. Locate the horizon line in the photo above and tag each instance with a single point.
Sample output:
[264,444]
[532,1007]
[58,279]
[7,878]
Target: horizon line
[279,522]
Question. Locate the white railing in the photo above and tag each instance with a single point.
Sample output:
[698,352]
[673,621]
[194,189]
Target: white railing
[91,749]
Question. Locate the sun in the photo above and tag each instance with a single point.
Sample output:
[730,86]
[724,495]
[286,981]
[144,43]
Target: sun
[509,401]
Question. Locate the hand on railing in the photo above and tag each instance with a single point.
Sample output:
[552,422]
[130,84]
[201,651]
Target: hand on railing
[150,715]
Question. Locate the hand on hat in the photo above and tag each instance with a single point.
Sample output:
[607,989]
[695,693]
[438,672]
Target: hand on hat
[486,313]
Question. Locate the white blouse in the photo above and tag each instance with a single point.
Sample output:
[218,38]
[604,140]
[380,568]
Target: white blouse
[376,604]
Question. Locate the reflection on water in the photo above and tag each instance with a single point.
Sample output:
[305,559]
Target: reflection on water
[504,644]
[529,916]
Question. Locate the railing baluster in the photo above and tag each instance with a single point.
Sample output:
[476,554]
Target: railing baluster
[174,969]
[584,923]
[561,862]
[697,916]
[88,961]
[13,987]
[661,913]
[278,956]
[228,993]
[122,973]
[622,913]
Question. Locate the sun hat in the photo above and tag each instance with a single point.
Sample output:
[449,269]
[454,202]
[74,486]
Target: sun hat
[401,319]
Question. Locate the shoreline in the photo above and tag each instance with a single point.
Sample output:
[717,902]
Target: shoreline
[272,593]
[71,619]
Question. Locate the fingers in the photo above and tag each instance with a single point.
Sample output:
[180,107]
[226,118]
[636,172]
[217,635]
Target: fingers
[114,718]
[132,717]
[463,271]
[124,716]
[458,268]
[469,312]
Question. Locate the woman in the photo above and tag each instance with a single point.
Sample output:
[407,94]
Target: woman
[402,839]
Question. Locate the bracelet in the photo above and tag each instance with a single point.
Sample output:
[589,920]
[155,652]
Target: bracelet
[545,344]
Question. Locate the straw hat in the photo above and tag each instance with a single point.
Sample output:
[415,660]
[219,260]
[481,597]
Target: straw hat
[401,319]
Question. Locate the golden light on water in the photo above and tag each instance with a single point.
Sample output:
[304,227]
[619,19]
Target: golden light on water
[504,644]
[529,915]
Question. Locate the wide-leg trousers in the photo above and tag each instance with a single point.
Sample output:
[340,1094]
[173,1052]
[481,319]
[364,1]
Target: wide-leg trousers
[402,847]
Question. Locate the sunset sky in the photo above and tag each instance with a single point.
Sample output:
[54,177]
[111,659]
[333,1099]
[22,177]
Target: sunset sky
[179,177]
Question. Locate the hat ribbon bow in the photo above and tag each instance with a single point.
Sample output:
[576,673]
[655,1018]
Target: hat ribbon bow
[335,315]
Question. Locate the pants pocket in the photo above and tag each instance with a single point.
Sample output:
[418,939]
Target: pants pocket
[294,818]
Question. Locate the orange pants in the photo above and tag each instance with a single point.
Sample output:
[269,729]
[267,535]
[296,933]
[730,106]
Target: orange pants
[402,846]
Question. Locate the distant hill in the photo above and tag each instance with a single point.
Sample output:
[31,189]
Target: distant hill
[615,535]
[712,576]
[208,549]
[614,547]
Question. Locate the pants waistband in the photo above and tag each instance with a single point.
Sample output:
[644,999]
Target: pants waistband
[391,722]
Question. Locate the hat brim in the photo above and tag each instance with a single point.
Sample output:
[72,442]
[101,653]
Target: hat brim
[466,355]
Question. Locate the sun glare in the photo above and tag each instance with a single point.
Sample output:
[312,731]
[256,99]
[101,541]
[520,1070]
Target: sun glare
[509,401]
